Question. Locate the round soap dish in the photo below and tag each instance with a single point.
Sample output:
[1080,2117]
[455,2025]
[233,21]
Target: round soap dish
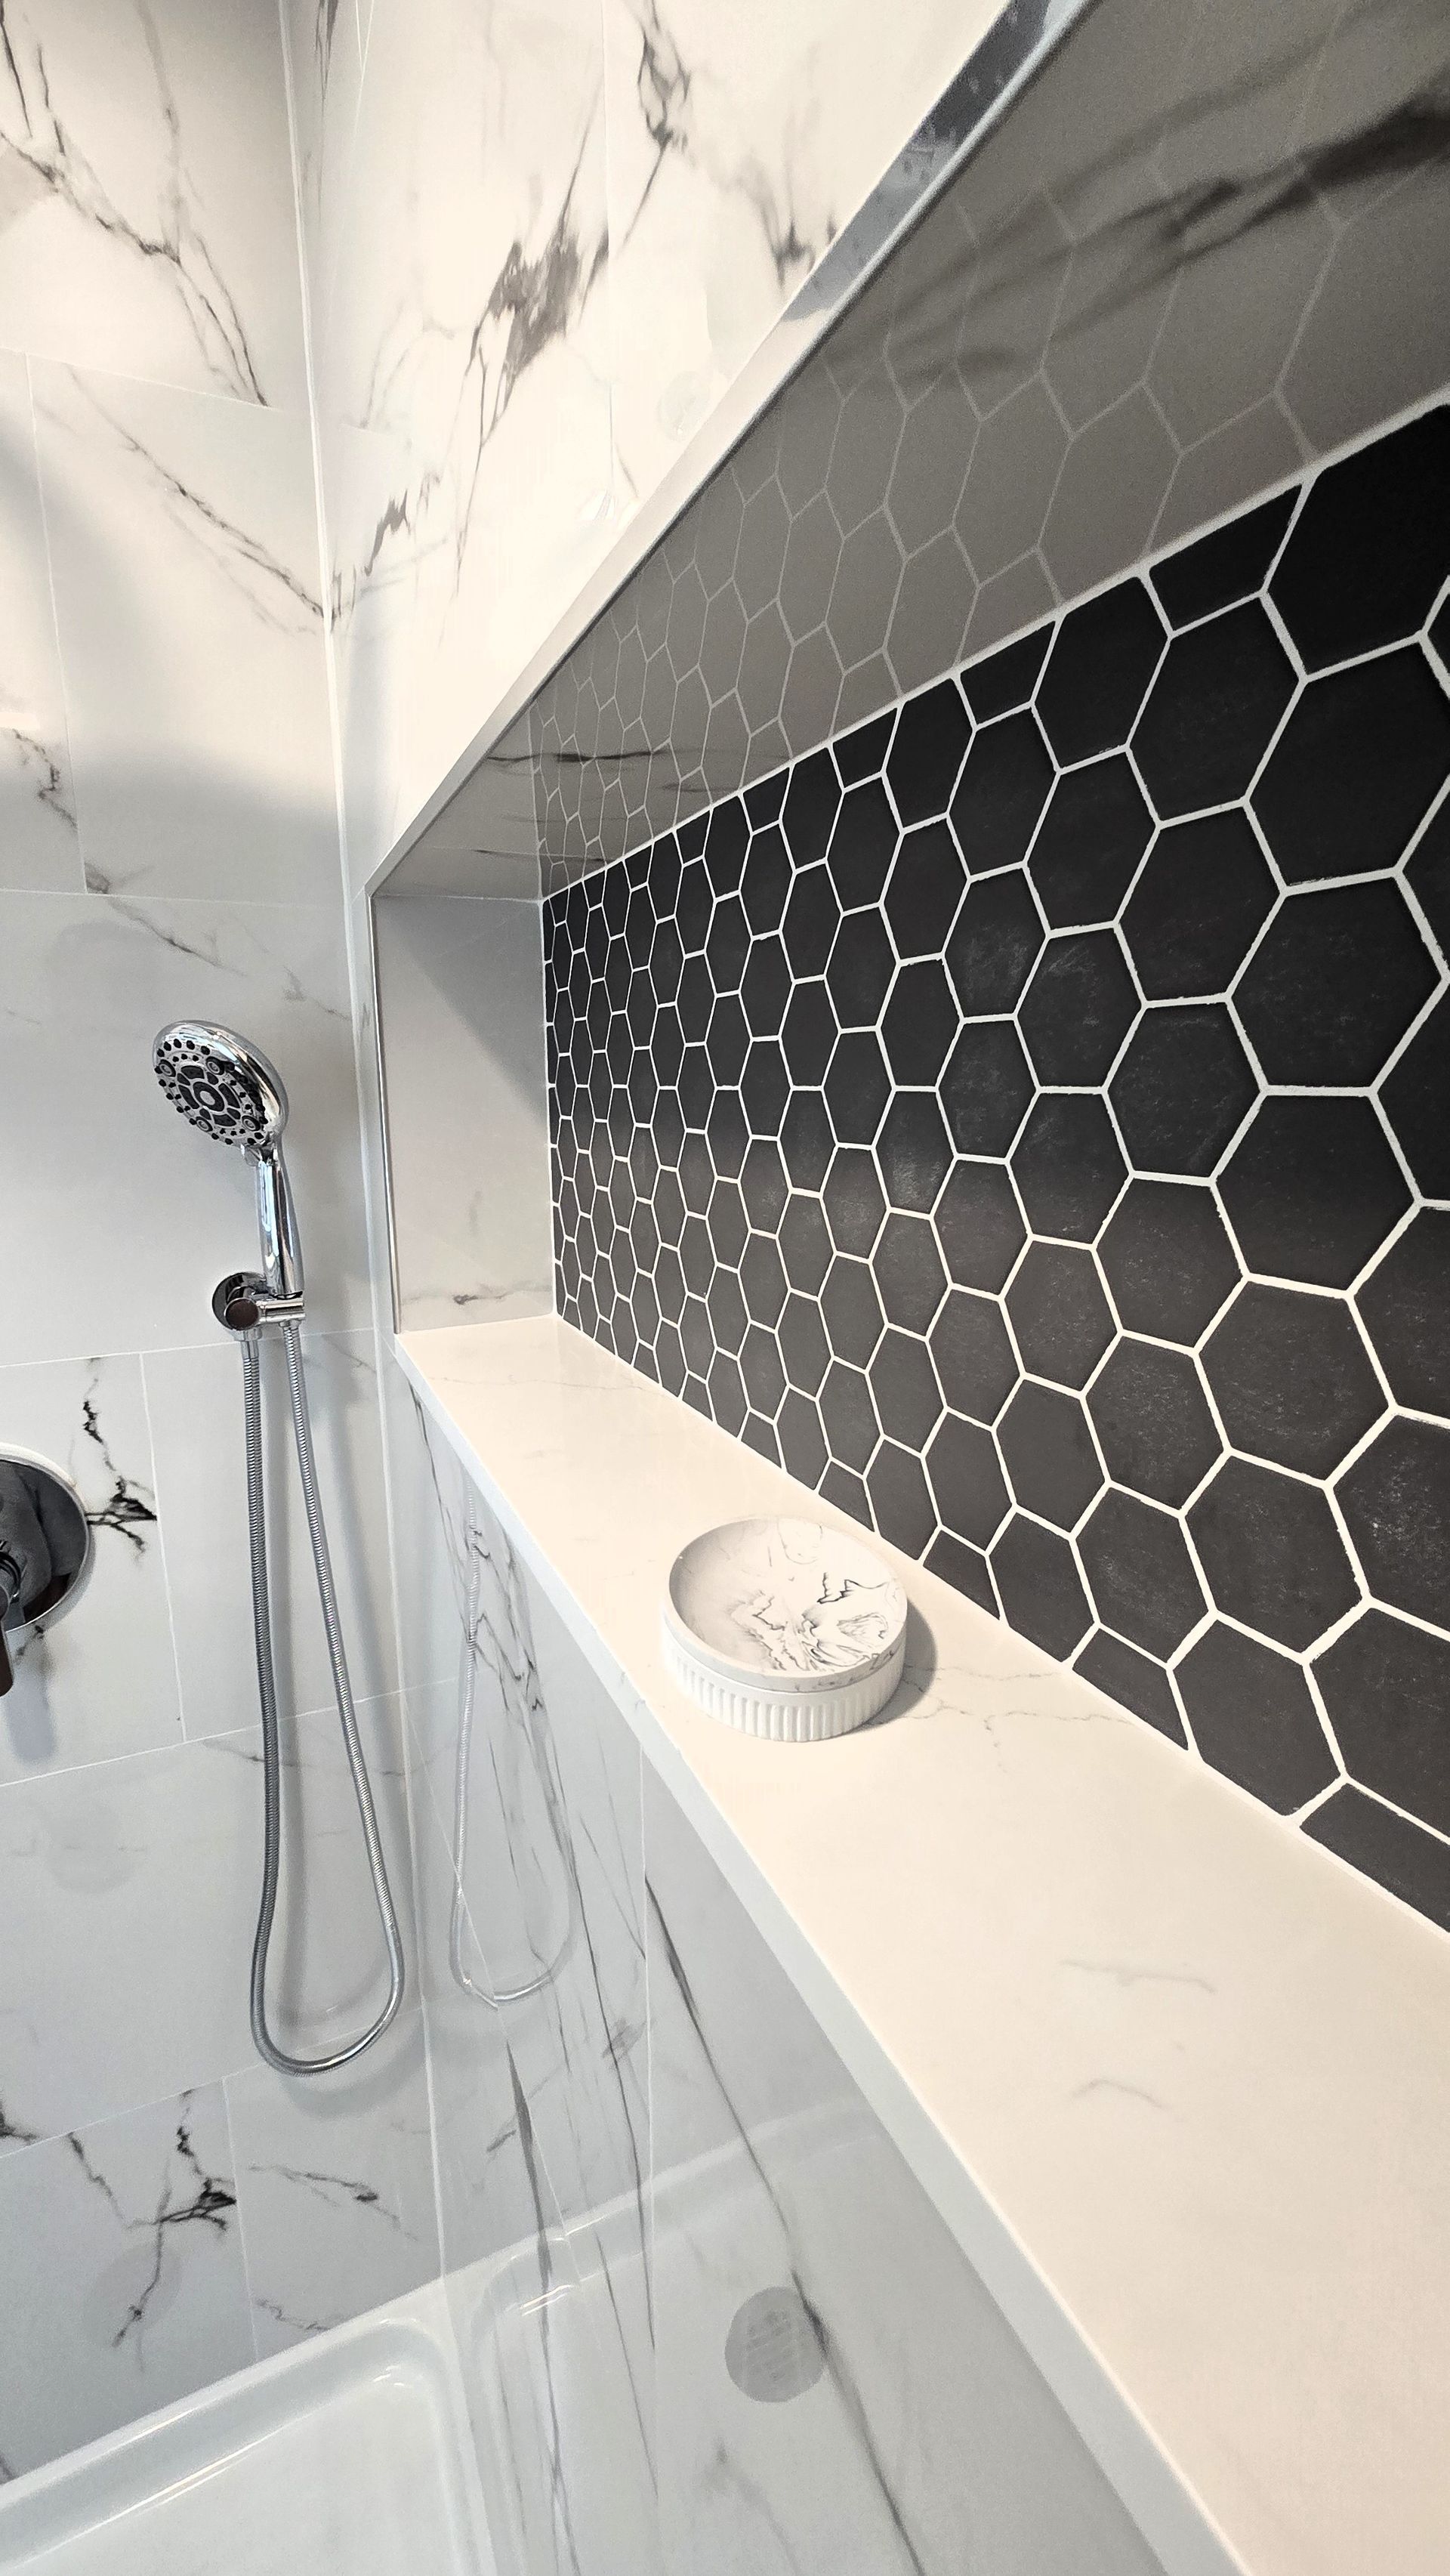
[784,1628]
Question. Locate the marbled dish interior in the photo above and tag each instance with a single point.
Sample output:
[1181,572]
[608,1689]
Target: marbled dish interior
[808,1606]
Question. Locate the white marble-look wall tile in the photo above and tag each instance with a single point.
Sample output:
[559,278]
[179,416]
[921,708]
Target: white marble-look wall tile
[334,2180]
[461,982]
[124,2282]
[195,1398]
[888,2417]
[101,1679]
[128,1896]
[148,207]
[183,542]
[741,140]
[126,1215]
[39,845]
[466,334]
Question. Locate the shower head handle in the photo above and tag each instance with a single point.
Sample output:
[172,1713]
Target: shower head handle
[224,1085]
[277,1225]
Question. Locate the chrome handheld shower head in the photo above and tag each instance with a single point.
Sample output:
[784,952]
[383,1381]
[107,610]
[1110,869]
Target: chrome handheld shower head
[224,1085]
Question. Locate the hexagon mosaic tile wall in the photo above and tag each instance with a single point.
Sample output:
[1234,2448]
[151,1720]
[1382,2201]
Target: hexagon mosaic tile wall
[1023,1118]
[1140,303]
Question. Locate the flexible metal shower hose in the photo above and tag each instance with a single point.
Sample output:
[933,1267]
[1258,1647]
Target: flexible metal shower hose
[271,1740]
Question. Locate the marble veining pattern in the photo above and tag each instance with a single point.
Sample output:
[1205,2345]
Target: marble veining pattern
[125,2284]
[39,845]
[147,205]
[191,639]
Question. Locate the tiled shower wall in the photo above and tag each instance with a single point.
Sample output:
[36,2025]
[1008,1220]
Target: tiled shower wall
[1025,1117]
[665,2205]
[168,848]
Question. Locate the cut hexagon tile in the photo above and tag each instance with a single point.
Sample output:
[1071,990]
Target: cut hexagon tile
[965,1569]
[1396,1505]
[1183,1089]
[1102,659]
[862,752]
[1039,1586]
[1142,1577]
[1006,679]
[930,744]
[1357,767]
[1253,1717]
[1371,549]
[1386,1686]
[1333,985]
[1078,1008]
[1405,1308]
[1291,1378]
[974,1359]
[1049,1454]
[1218,570]
[994,945]
[1203,896]
[967,1481]
[1067,1165]
[1059,1313]
[802,1440]
[1313,1189]
[1412,1865]
[808,816]
[1134,1680]
[1152,1419]
[1271,1551]
[1213,711]
[1004,785]
[979,1223]
[1093,835]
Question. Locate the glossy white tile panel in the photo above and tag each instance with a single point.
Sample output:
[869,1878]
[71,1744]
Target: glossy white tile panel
[325,43]
[461,982]
[467,334]
[429,1506]
[127,1216]
[39,845]
[124,2285]
[917,2425]
[535,1783]
[128,1895]
[148,201]
[741,139]
[183,540]
[102,1679]
[335,2187]
[195,1398]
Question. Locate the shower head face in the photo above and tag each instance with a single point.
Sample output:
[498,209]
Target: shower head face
[222,1084]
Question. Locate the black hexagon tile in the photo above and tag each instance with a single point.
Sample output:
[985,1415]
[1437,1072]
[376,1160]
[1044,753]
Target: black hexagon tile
[1018,1117]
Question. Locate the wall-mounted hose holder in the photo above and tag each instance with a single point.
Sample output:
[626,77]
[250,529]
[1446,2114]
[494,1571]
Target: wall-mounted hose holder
[45,1548]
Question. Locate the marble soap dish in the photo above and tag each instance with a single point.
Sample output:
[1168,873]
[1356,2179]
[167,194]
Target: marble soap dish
[784,1628]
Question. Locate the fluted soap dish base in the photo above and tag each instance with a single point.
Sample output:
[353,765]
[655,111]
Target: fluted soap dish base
[785,1629]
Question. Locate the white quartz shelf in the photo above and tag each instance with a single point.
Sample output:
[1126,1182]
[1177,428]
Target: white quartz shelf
[1177,2079]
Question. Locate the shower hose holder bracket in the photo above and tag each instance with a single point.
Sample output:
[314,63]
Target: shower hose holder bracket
[244,1301]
